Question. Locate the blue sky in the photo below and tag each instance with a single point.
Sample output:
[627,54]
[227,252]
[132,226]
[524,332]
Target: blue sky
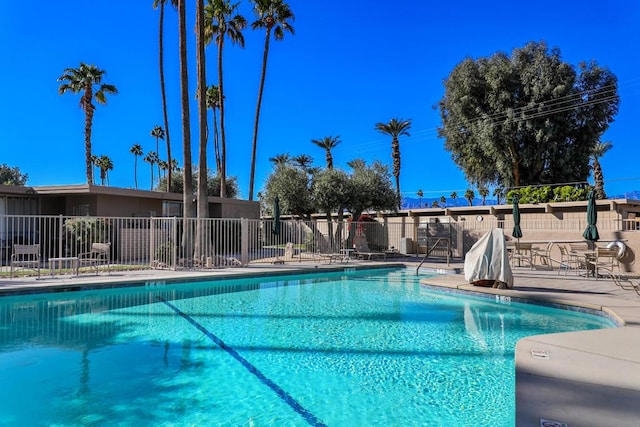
[350,65]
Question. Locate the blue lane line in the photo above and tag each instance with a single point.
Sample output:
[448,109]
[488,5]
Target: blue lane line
[286,397]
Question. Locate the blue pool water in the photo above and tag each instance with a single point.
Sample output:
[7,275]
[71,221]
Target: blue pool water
[338,349]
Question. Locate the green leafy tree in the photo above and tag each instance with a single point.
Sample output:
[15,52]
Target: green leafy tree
[136,150]
[328,143]
[395,128]
[222,21]
[213,184]
[160,4]
[274,16]
[371,188]
[534,118]
[598,151]
[469,195]
[86,79]
[331,191]
[293,187]
[12,175]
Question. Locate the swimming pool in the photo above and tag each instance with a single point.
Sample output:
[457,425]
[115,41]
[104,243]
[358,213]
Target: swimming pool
[337,349]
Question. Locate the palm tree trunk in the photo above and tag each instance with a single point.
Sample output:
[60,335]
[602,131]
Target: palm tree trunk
[88,119]
[135,170]
[216,144]
[163,90]
[189,208]
[395,150]
[257,120]
[223,147]
[203,202]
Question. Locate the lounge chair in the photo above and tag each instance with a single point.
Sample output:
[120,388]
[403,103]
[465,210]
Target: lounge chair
[361,249]
[99,255]
[25,256]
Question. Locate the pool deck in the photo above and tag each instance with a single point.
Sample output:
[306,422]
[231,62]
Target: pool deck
[588,378]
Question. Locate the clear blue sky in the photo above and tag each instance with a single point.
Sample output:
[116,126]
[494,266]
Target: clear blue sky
[350,65]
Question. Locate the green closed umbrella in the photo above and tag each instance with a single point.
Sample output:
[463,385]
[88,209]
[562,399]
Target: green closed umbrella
[591,232]
[275,229]
[517,231]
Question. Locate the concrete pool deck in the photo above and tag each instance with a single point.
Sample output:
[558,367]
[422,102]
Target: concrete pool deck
[588,378]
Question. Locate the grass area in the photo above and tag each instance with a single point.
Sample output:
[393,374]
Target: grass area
[5,271]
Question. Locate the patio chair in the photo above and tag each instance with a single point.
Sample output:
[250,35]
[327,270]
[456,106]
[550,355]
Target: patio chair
[25,257]
[543,256]
[361,249]
[606,259]
[98,256]
[523,252]
[568,260]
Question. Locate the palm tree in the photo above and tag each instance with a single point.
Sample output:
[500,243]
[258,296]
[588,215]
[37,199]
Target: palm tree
[303,161]
[435,204]
[483,192]
[187,188]
[158,133]
[280,159]
[136,150]
[163,166]
[328,143]
[88,80]
[420,194]
[598,151]
[152,159]
[395,128]
[105,164]
[272,15]
[469,195]
[213,102]
[498,193]
[454,196]
[202,197]
[94,163]
[156,4]
[220,21]
[443,201]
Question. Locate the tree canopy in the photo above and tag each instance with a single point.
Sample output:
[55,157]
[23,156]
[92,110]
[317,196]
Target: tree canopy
[526,119]
[213,184]
[12,175]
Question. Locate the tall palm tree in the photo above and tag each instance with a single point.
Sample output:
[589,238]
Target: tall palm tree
[498,193]
[469,195]
[395,128]
[598,177]
[163,166]
[160,4]
[483,192]
[272,15]
[86,79]
[328,143]
[136,150]
[158,133]
[420,193]
[105,164]
[443,201]
[202,197]
[187,188]
[454,196]
[220,22]
[213,102]
[152,159]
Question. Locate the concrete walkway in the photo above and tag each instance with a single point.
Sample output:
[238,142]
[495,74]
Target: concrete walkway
[589,378]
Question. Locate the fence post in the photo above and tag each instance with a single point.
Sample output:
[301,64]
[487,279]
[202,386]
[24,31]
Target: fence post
[60,254]
[244,241]
[152,257]
[174,238]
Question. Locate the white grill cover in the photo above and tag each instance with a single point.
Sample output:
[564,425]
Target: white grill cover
[488,259]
